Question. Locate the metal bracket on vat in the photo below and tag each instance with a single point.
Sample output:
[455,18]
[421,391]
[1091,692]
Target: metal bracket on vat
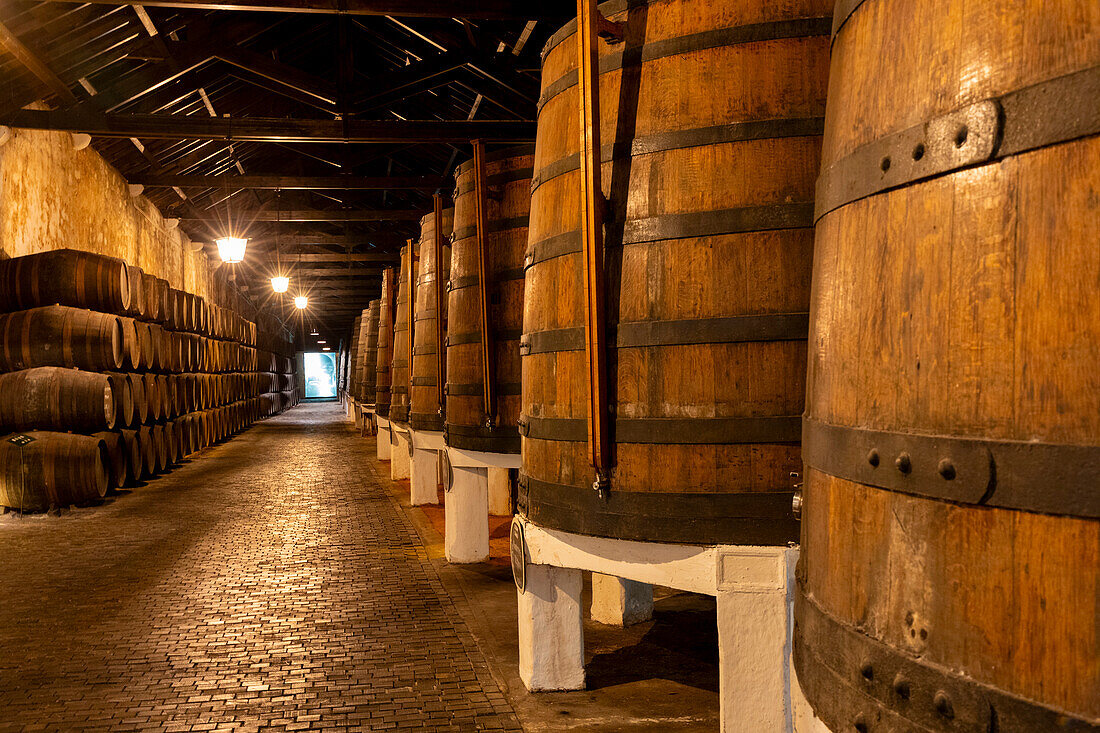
[1029,476]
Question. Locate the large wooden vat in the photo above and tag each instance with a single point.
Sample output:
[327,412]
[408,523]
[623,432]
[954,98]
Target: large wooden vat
[711,115]
[384,355]
[430,326]
[471,424]
[402,335]
[55,470]
[60,336]
[50,398]
[950,533]
[356,346]
[368,350]
[66,276]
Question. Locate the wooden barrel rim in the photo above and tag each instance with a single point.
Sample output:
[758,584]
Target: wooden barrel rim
[496,439]
[681,45]
[497,180]
[474,337]
[512,151]
[751,518]
[692,137]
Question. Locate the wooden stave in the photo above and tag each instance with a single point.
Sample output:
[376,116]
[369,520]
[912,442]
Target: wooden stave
[950,359]
[135,464]
[116,457]
[736,473]
[425,409]
[62,469]
[467,424]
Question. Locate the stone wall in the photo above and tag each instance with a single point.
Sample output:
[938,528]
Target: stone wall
[53,196]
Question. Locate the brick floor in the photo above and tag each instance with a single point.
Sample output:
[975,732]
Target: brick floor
[270,584]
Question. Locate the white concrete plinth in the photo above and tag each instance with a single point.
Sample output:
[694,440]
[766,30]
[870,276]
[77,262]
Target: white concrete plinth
[754,587]
[382,449]
[466,536]
[424,471]
[399,452]
[500,492]
[551,631]
[620,602]
[349,405]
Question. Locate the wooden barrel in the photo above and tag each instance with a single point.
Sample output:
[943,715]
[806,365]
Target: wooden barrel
[153,402]
[135,463]
[159,439]
[161,290]
[60,336]
[66,276]
[710,116]
[117,456]
[384,359]
[470,423]
[148,451]
[426,412]
[146,344]
[153,306]
[141,400]
[367,364]
[402,335]
[136,283]
[51,398]
[122,393]
[951,523]
[55,470]
[132,351]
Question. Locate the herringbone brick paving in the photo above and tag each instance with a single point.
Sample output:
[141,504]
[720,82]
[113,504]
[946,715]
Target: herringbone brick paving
[270,584]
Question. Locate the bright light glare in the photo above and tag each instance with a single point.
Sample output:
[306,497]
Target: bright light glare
[300,302]
[280,284]
[231,249]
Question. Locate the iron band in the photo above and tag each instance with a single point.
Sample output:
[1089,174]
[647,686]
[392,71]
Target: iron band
[1046,478]
[671,431]
[1055,111]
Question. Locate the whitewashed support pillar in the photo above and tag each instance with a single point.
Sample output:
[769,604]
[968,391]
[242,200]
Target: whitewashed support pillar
[551,630]
[755,587]
[382,448]
[620,602]
[399,453]
[423,477]
[466,538]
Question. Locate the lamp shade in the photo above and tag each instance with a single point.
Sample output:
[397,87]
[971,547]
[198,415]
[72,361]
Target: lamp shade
[280,284]
[231,249]
[300,302]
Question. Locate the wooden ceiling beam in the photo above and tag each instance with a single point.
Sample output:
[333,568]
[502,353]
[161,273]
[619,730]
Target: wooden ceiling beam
[11,43]
[473,9]
[264,129]
[291,183]
[293,215]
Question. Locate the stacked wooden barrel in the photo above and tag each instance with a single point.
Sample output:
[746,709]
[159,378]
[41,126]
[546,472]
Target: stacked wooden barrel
[710,188]
[429,327]
[384,356]
[154,374]
[401,362]
[951,525]
[470,422]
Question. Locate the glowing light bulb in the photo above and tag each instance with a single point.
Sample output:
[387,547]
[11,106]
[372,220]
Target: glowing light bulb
[231,249]
[280,284]
[300,302]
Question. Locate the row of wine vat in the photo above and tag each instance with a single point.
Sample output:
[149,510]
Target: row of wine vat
[110,377]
